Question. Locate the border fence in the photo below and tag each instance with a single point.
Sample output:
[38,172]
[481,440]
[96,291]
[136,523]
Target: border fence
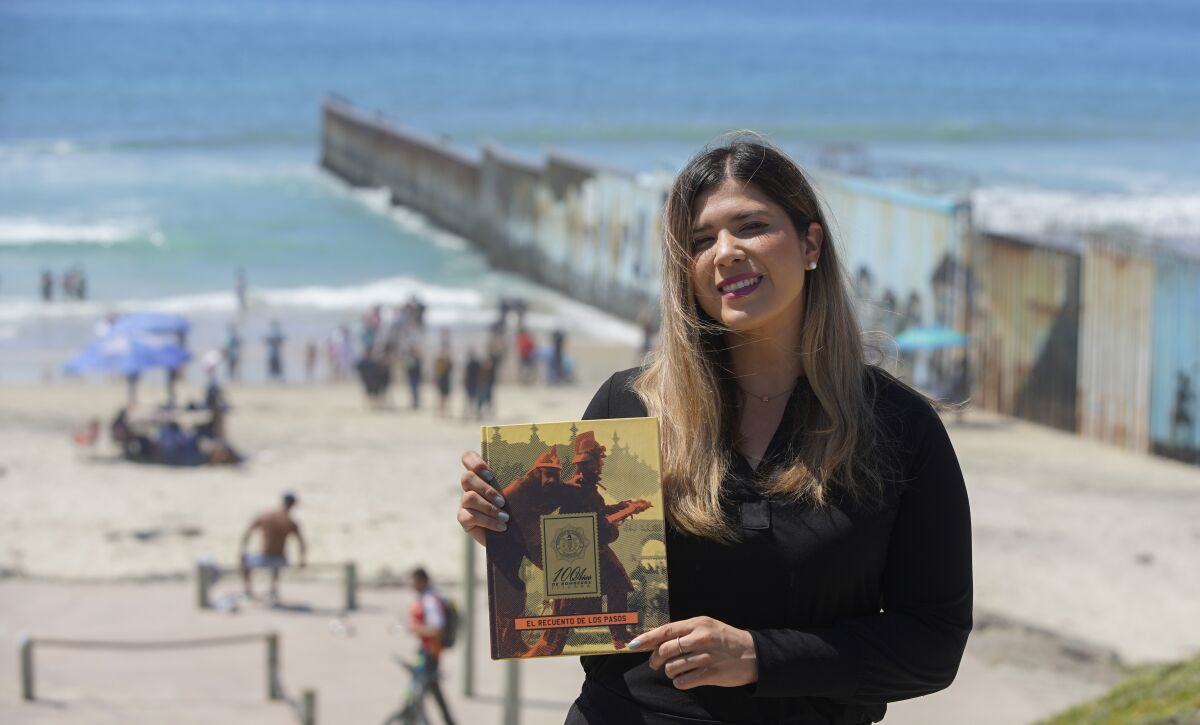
[1090,331]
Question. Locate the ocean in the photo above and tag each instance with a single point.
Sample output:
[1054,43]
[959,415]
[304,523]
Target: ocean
[162,145]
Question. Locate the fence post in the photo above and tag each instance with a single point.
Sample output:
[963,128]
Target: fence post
[468,619]
[350,580]
[512,692]
[202,601]
[308,713]
[273,667]
[26,667]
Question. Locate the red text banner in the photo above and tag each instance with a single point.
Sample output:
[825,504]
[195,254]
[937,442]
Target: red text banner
[578,620]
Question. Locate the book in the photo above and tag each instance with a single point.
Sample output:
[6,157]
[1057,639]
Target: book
[582,567]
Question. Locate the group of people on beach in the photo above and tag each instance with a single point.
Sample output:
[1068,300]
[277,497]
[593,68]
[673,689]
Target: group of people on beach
[389,346]
[74,284]
[191,435]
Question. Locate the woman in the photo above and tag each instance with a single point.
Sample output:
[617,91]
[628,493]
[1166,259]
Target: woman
[818,539]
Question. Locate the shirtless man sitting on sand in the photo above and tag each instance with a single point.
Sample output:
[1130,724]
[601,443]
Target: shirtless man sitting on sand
[276,526]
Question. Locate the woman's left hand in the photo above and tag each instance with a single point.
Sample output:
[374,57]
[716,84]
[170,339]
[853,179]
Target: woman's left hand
[701,651]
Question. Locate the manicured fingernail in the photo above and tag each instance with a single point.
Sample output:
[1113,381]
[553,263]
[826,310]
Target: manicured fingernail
[503,516]
[487,476]
[503,526]
[499,501]
[634,644]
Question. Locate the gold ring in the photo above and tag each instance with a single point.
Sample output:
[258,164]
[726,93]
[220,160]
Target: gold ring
[679,644]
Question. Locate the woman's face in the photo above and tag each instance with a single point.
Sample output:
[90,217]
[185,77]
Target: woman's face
[749,262]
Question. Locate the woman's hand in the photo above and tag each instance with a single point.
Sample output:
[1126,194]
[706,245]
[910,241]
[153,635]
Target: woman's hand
[481,502]
[701,651]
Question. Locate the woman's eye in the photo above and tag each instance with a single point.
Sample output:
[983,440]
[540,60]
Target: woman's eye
[754,227]
[701,243]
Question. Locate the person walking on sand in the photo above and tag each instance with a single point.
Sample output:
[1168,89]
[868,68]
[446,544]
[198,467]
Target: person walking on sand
[276,526]
[443,368]
[80,283]
[310,361]
[527,354]
[233,352]
[275,340]
[472,381]
[427,619]
[413,364]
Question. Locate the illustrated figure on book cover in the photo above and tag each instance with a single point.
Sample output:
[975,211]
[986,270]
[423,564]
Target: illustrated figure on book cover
[559,577]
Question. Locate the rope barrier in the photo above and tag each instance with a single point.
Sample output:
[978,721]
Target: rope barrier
[304,708]
[207,572]
[28,644]
[166,644]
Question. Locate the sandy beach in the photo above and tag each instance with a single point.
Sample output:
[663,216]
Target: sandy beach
[1083,555]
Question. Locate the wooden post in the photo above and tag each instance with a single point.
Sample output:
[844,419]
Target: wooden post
[308,711]
[512,692]
[26,667]
[350,580]
[202,601]
[468,618]
[273,692]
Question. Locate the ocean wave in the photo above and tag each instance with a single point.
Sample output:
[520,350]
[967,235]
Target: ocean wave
[42,147]
[1034,211]
[29,231]
[452,307]
[389,291]
[379,201]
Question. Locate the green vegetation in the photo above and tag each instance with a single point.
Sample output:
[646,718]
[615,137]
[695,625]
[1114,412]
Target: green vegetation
[1158,695]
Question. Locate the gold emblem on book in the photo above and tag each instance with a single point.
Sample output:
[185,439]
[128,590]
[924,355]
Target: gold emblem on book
[570,543]
[572,561]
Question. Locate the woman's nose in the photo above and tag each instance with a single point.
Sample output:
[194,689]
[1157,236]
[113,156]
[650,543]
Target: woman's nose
[728,249]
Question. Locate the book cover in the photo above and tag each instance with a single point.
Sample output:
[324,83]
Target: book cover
[582,567]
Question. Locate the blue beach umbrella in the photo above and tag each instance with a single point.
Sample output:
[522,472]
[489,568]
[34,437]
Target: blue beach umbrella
[931,337]
[158,323]
[126,353]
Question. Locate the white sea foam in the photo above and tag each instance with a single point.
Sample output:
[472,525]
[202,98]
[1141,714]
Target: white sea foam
[379,201]
[1033,211]
[29,231]
[453,307]
[35,148]
[417,224]
[390,291]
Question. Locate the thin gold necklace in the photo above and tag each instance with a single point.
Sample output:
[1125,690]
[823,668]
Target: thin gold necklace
[768,398]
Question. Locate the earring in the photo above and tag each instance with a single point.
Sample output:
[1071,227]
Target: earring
[812,266]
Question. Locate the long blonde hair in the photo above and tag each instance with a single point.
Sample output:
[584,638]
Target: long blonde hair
[688,386]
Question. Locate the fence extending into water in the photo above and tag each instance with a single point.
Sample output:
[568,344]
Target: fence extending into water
[1094,333]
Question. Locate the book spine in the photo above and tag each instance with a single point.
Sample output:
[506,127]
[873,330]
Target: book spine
[493,622]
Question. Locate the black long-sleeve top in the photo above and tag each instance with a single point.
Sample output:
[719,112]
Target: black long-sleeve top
[849,607]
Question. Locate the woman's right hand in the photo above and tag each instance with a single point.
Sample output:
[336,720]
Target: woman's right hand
[481,502]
